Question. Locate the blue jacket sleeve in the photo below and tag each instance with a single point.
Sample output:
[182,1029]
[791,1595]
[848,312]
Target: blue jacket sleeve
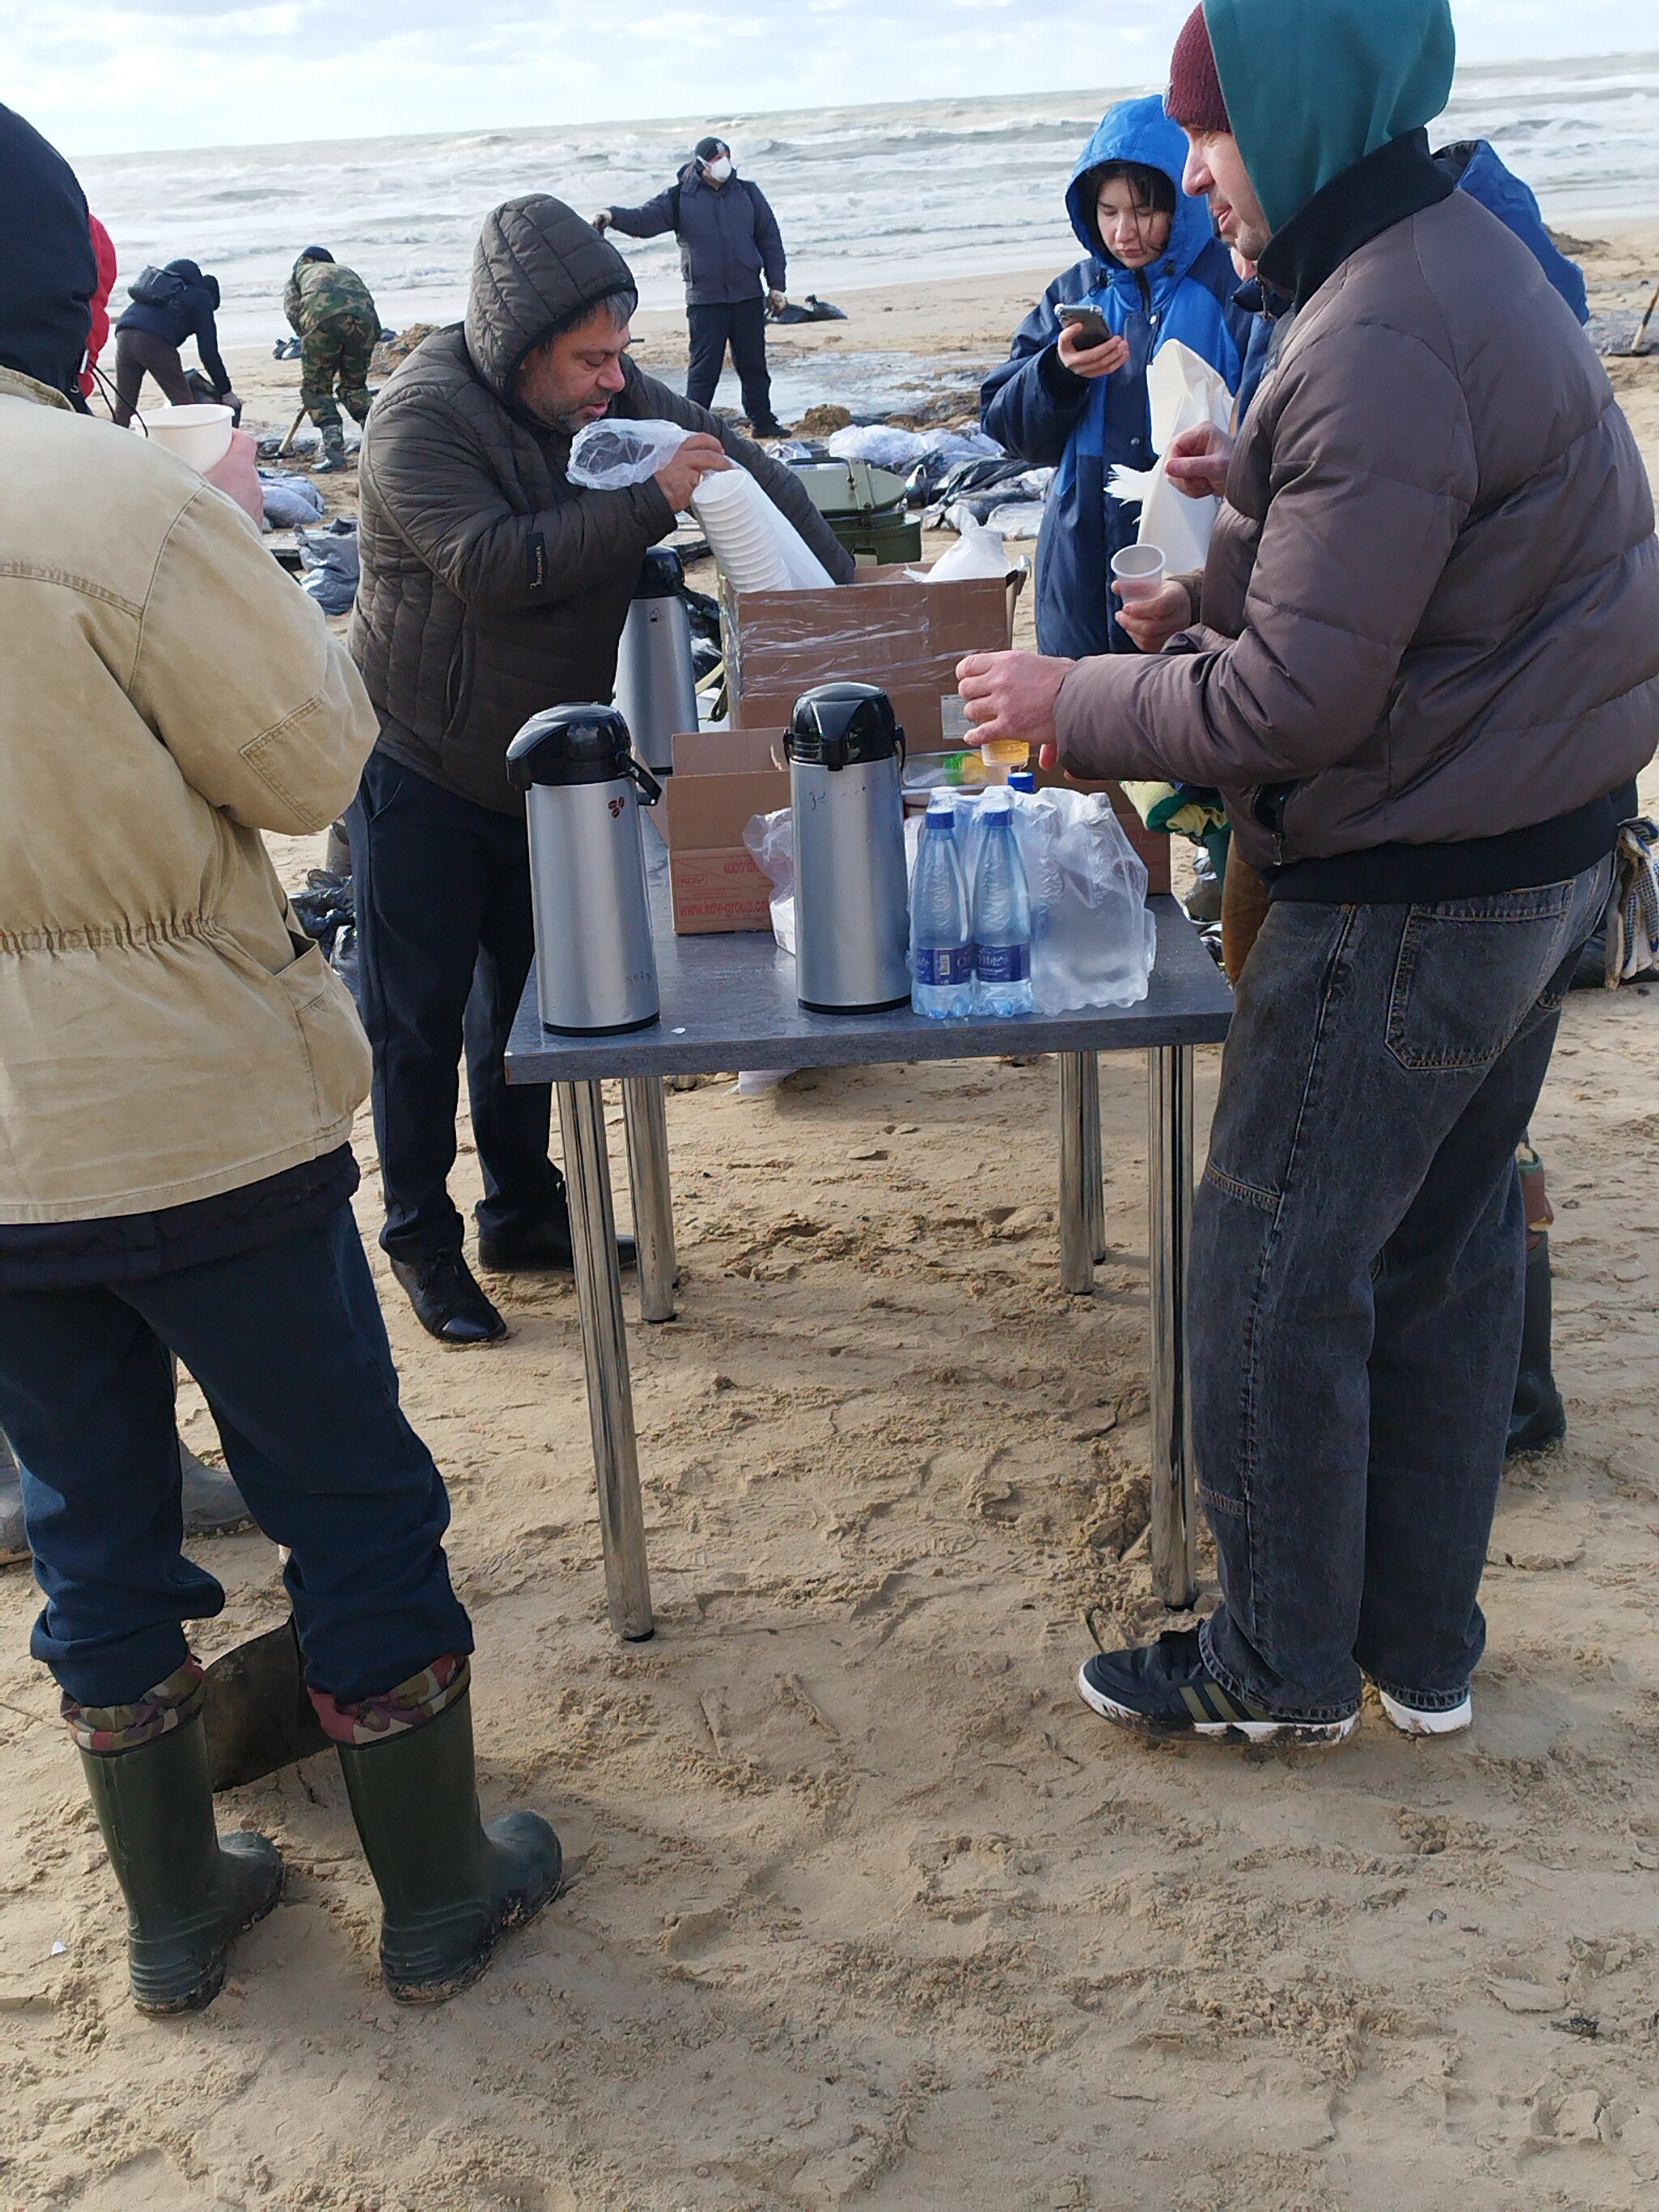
[1032,403]
[207,345]
[650,221]
[770,239]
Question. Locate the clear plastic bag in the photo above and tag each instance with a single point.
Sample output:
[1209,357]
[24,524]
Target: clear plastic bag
[771,842]
[1092,936]
[609,454]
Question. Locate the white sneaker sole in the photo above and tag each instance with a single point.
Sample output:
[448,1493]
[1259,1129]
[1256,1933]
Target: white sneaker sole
[1411,1722]
[1317,1734]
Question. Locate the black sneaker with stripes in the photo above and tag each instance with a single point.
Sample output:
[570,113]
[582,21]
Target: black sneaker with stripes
[1165,1689]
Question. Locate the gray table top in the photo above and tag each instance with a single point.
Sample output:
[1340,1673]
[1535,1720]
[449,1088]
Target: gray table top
[728,1000]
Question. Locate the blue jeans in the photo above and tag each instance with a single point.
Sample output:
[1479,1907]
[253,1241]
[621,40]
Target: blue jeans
[289,1348]
[1357,1273]
[445,939]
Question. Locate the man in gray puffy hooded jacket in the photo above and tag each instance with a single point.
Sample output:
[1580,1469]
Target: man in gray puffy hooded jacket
[492,587]
[1423,667]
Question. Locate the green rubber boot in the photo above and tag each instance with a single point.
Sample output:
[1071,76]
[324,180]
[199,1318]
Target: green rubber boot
[449,1887]
[334,452]
[188,1891]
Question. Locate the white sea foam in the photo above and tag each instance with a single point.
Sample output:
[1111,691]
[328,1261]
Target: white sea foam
[879,195]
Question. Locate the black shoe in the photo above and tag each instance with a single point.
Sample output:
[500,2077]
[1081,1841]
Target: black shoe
[447,1302]
[769,429]
[544,1249]
[1165,1689]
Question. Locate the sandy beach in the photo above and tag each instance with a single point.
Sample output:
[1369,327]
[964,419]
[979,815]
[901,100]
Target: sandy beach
[865,1907]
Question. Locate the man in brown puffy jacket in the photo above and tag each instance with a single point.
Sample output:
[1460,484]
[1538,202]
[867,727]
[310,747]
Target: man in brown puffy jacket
[1425,656]
[493,587]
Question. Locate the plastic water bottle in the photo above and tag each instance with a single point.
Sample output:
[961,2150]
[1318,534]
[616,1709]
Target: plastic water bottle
[1022,779]
[941,949]
[1001,915]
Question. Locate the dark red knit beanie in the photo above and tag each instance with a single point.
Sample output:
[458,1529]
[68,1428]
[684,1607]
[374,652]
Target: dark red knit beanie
[1194,98]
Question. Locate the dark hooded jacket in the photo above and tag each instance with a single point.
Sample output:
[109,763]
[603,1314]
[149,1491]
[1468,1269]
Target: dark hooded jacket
[48,269]
[190,315]
[491,586]
[1428,652]
[1083,427]
[729,237]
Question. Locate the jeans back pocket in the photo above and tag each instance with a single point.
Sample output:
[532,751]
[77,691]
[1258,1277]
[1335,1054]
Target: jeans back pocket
[1469,971]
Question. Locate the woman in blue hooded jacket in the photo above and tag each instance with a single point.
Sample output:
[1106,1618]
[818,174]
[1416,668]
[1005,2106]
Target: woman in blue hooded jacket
[1170,277]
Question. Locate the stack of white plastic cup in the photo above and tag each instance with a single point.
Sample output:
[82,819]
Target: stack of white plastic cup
[728,504]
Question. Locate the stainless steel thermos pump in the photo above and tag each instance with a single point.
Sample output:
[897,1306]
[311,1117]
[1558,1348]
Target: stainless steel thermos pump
[656,682]
[852,925]
[595,967]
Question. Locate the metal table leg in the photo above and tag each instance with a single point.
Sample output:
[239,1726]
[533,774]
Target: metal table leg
[1077,1250]
[605,1349]
[645,1117]
[1094,1174]
[1170,1200]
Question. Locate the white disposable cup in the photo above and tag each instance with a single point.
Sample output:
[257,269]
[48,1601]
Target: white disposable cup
[1138,571]
[198,432]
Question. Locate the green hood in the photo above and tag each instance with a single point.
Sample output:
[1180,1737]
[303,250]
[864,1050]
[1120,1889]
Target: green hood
[1313,86]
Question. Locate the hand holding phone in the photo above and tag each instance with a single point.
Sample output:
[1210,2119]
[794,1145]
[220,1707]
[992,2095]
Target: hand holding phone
[1086,346]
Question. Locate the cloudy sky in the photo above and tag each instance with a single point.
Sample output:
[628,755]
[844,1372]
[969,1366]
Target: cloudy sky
[101,78]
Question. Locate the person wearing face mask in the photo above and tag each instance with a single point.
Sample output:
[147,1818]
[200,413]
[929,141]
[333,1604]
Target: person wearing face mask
[729,244]
[493,587]
[1067,399]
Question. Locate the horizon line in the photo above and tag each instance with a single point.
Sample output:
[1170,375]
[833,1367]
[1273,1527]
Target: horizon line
[736,116]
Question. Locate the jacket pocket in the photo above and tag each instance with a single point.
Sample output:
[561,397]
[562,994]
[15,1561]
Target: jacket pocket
[1468,974]
[458,681]
[330,1036]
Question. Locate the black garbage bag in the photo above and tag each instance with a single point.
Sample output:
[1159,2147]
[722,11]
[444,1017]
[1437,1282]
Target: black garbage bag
[329,558]
[937,478]
[327,910]
[813,310]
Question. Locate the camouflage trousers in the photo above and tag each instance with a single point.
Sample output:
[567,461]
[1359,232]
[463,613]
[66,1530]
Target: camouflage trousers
[336,352]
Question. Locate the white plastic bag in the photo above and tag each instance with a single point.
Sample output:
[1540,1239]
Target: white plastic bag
[771,842]
[979,553]
[1183,391]
[611,454]
[879,444]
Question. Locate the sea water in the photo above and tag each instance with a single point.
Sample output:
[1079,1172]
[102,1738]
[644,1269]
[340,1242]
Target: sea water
[886,194]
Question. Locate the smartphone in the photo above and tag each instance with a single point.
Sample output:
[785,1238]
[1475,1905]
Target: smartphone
[1088,325]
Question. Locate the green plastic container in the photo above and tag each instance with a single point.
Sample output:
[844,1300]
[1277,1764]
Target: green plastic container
[864,507]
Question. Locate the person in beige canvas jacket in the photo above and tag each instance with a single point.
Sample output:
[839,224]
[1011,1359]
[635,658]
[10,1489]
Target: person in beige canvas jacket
[178,1073]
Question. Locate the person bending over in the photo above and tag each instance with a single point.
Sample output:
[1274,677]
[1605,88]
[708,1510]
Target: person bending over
[169,306]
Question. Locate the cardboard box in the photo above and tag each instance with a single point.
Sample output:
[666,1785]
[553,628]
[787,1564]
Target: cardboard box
[883,627]
[722,778]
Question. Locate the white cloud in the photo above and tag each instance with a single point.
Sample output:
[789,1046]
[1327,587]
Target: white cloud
[169,73]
